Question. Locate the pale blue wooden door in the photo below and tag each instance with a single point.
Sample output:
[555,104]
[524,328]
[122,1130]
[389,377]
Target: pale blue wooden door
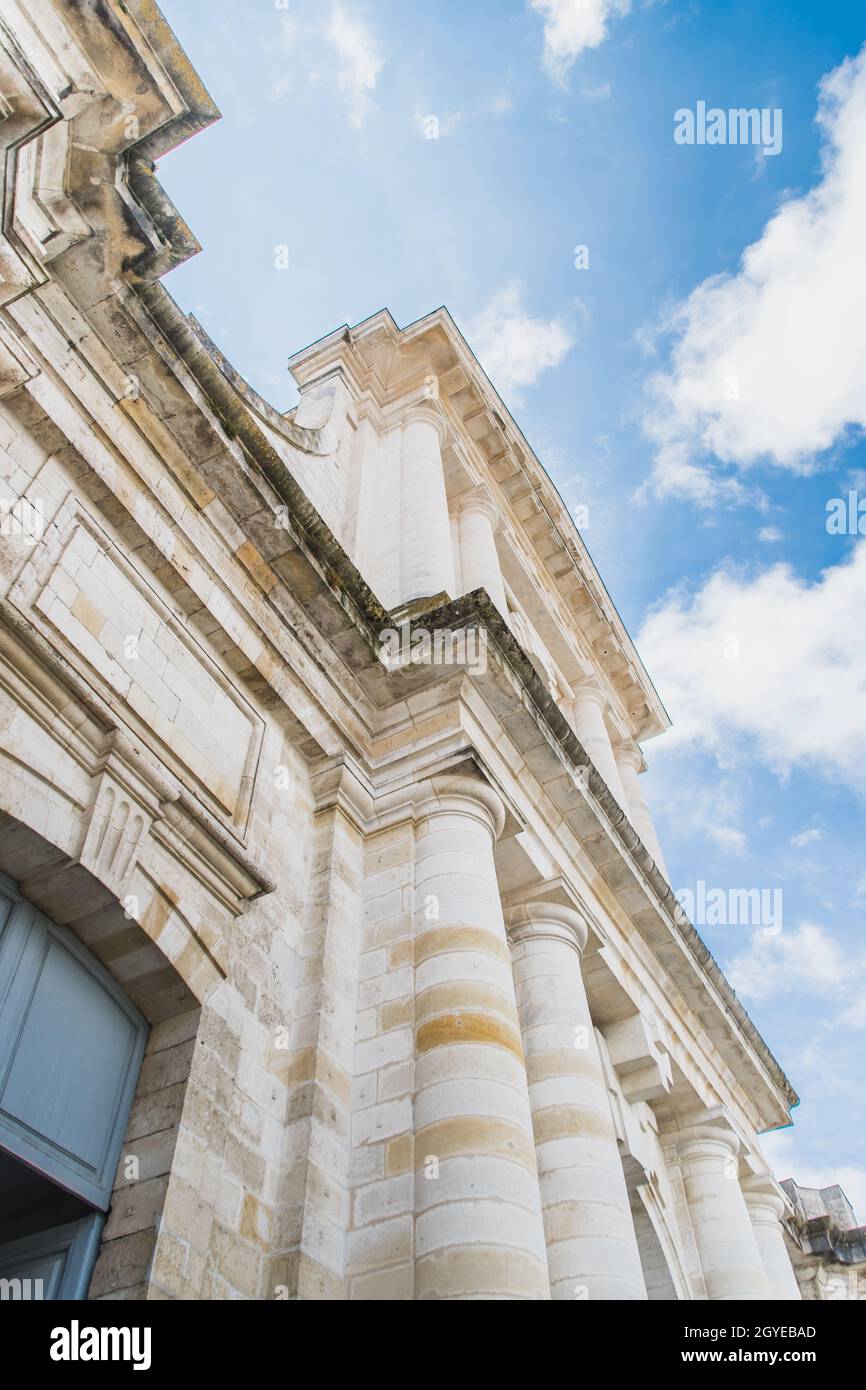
[51,1264]
[71,1045]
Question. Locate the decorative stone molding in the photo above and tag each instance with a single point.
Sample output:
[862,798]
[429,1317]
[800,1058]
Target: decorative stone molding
[480,499]
[763,1195]
[541,920]
[709,1132]
[427,413]
[16,364]
[340,782]
[639,1058]
[121,817]
[459,793]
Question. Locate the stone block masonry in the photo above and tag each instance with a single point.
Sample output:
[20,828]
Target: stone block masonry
[425,1021]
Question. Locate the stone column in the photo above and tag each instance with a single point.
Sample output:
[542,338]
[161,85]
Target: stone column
[426,556]
[479,1230]
[478,554]
[724,1235]
[629,762]
[766,1207]
[591,729]
[592,1247]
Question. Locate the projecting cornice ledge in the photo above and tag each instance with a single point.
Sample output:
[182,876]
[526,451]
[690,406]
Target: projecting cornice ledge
[310,441]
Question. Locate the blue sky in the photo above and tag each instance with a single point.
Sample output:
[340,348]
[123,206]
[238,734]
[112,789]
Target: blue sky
[700,387]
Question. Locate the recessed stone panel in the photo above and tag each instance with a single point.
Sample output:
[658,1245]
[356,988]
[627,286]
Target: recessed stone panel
[114,624]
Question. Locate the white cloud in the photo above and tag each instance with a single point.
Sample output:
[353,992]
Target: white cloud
[768,666]
[570,26]
[714,808]
[806,837]
[769,364]
[601,91]
[808,961]
[513,347]
[727,837]
[805,959]
[314,37]
[360,60]
[768,534]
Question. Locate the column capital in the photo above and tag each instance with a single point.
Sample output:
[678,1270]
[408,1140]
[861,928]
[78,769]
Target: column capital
[629,753]
[764,1197]
[546,920]
[480,499]
[426,413]
[709,1135]
[459,792]
[590,692]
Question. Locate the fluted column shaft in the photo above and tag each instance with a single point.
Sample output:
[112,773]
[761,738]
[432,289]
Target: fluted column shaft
[724,1235]
[591,729]
[766,1207]
[426,555]
[591,1242]
[478,554]
[628,761]
[479,1230]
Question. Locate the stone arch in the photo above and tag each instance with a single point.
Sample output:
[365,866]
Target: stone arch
[72,896]
[74,899]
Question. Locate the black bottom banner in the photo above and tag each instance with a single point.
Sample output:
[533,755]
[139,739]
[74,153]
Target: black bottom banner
[166,1338]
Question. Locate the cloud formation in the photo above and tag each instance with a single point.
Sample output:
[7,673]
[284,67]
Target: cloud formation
[513,347]
[744,665]
[360,60]
[329,49]
[570,26]
[746,382]
[806,837]
[807,959]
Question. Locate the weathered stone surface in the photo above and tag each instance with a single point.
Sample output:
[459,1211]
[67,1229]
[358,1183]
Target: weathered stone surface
[288,831]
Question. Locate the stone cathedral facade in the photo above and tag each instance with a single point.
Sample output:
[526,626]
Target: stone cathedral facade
[338,956]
